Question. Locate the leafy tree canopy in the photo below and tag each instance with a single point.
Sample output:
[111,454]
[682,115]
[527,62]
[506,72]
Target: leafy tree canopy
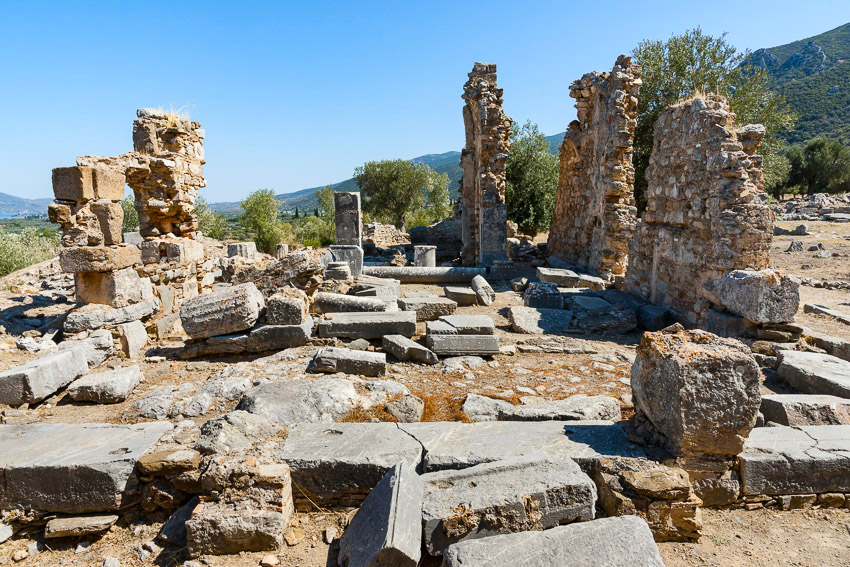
[260,218]
[532,179]
[822,166]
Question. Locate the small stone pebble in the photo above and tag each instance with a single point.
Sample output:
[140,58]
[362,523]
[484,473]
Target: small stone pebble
[330,534]
[270,561]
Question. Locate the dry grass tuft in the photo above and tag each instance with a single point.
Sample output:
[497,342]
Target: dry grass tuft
[175,116]
[442,407]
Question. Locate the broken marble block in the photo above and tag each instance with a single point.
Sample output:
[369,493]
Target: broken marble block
[805,409]
[133,338]
[118,288]
[72,468]
[406,349]
[512,495]
[607,542]
[699,391]
[387,529]
[111,387]
[427,307]
[325,302]
[485,293]
[229,310]
[247,250]
[539,321]
[461,295]
[42,377]
[367,325]
[98,258]
[815,373]
[262,338]
[762,296]
[463,345]
[543,295]
[360,362]
[287,307]
[338,464]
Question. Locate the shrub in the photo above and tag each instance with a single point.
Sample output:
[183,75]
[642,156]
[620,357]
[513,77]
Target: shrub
[17,251]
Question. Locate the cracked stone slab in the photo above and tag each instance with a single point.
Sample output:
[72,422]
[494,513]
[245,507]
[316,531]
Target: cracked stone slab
[361,362]
[42,377]
[461,345]
[533,408]
[815,373]
[367,325]
[455,445]
[72,468]
[511,495]
[387,529]
[805,409]
[337,465]
[111,387]
[796,460]
[539,321]
[462,325]
[406,349]
[607,542]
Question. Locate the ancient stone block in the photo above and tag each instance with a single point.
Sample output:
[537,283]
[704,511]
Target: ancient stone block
[98,258]
[387,529]
[425,256]
[360,362]
[78,526]
[117,288]
[511,495]
[761,296]
[485,293]
[532,408]
[347,218]
[287,307]
[262,338]
[227,311]
[404,348]
[463,345]
[815,373]
[700,391]
[87,183]
[350,254]
[543,295]
[461,295]
[246,250]
[324,302]
[560,277]
[802,409]
[133,337]
[415,274]
[42,377]
[462,325]
[368,325]
[532,321]
[427,307]
[111,387]
[94,316]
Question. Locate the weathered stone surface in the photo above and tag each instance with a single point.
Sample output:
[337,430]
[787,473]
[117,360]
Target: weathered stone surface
[762,296]
[40,472]
[539,321]
[654,318]
[118,288]
[95,316]
[452,445]
[222,312]
[217,528]
[325,302]
[796,460]
[459,345]
[96,348]
[363,363]
[815,373]
[42,377]
[387,529]
[578,407]
[242,249]
[595,211]
[170,327]
[174,530]
[425,256]
[483,161]
[416,274]
[133,338]
[823,310]
[461,295]
[350,254]
[607,542]
[407,409]
[485,293]
[77,183]
[98,258]
[260,339]
[462,325]
[370,286]
[725,324]
[234,432]
[559,277]
[406,349]
[512,495]
[705,214]
[837,347]
[109,387]
[803,409]
[427,307]
[614,320]
[543,295]
[339,464]
[700,391]
[367,325]
[347,218]
[169,461]
[78,526]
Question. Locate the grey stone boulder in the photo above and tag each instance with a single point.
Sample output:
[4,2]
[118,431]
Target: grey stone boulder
[42,377]
[360,362]
[407,409]
[287,307]
[325,302]
[461,345]
[111,387]
[223,312]
[485,293]
[72,468]
[367,325]
[94,316]
[462,325]
[461,295]
[531,408]
[560,277]
[387,529]
[539,321]
[224,528]
[161,402]
[339,464]
[246,250]
[97,347]
[762,296]
[701,392]
[815,373]
[613,320]
[263,338]
[511,495]
[607,542]
[174,529]
[234,432]
[405,349]
[804,409]
[543,295]
[290,402]
[78,526]
[427,307]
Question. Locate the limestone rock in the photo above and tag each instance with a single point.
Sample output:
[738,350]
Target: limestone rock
[762,296]
[577,407]
[234,432]
[42,377]
[407,409]
[292,402]
[287,307]
[98,258]
[485,293]
[367,325]
[363,363]
[815,373]
[406,349]
[427,307]
[78,526]
[110,387]
[539,321]
[93,316]
[223,312]
[802,409]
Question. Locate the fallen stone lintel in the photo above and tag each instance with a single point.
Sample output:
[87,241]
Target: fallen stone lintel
[260,339]
[417,274]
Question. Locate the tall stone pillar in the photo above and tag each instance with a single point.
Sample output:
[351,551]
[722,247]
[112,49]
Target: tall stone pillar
[483,162]
[348,247]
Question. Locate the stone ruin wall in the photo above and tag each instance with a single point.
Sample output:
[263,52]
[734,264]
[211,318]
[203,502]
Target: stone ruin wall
[165,172]
[595,211]
[483,162]
[704,214]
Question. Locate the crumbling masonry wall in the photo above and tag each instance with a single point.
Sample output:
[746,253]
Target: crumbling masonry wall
[705,215]
[483,161]
[595,211]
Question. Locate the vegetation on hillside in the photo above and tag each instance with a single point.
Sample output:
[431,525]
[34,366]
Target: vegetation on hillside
[822,166]
[29,246]
[532,179]
[261,220]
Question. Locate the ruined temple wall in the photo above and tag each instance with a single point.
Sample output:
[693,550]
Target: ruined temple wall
[483,162]
[704,215]
[595,211]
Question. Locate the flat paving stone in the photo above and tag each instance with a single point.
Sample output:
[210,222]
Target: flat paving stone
[461,295]
[427,307]
[339,464]
[805,409]
[796,460]
[563,278]
[111,387]
[511,495]
[815,373]
[607,542]
[360,362]
[367,325]
[461,345]
[72,468]
[78,526]
[42,377]
[539,321]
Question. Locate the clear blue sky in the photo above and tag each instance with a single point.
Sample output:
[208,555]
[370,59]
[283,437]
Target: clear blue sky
[295,95]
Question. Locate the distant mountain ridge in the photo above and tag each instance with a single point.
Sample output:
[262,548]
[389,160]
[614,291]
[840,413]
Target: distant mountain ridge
[11,205]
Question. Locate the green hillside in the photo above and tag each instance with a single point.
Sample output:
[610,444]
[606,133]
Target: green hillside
[814,76]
